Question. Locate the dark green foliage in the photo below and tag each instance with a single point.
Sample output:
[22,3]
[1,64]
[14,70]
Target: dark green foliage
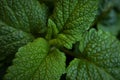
[59,39]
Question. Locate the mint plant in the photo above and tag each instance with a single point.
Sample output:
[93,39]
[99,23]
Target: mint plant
[59,40]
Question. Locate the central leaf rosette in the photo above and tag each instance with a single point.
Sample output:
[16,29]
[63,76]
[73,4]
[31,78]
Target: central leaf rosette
[70,20]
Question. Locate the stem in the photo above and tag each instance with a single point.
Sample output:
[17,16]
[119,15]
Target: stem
[68,52]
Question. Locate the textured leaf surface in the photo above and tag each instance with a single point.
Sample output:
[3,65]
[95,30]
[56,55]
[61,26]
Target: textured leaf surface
[36,61]
[100,58]
[72,18]
[28,15]
[11,39]
[83,70]
[19,19]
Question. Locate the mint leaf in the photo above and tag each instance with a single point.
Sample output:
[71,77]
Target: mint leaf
[72,18]
[52,30]
[100,60]
[11,39]
[27,15]
[84,70]
[36,61]
[19,21]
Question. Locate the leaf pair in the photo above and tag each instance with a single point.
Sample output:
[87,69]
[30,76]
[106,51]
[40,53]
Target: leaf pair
[19,21]
[36,61]
[100,60]
[71,18]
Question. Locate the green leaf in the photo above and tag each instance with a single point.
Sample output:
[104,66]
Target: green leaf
[72,18]
[19,21]
[36,61]
[100,60]
[27,15]
[11,39]
[84,70]
[52,30]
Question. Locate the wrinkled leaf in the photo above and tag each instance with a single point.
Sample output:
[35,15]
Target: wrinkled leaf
[11,39]
[27,15]
[84,70]
[36,61]
[72,18]
[100,60]
[19,19]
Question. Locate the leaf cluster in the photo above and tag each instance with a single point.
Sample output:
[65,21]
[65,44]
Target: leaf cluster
[59,39]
